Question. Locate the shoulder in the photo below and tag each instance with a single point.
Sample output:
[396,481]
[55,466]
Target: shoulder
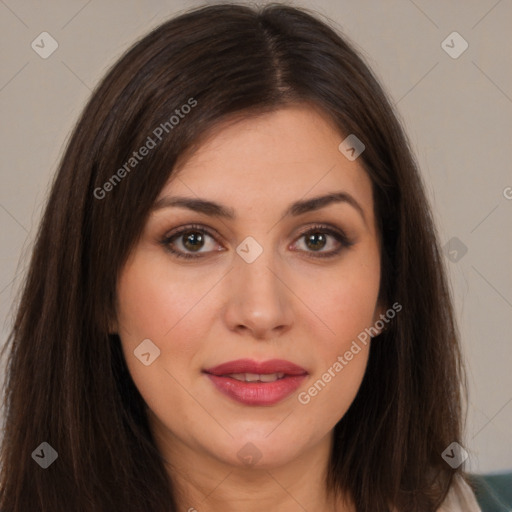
[460,498]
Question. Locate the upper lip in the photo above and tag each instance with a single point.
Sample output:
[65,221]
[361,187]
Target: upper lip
[257,367]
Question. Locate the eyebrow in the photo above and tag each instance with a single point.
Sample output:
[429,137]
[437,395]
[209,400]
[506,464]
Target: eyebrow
[295,209]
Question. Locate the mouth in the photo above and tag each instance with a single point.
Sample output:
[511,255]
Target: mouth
[257,383]
[255,377]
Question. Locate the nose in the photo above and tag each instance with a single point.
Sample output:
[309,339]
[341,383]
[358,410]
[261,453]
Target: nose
[259,301]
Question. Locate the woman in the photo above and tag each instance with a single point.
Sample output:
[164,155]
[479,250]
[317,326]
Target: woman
[236,299]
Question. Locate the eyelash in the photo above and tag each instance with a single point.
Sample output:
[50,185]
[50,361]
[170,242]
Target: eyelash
[339,235]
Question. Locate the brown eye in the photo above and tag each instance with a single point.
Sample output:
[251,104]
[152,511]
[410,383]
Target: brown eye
[188,240]
[316,241]
[193,241]
[319,237]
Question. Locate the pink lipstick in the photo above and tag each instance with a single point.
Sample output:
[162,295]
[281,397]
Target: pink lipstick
[257,383]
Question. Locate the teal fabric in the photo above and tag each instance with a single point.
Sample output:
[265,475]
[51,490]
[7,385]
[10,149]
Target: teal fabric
[493,492]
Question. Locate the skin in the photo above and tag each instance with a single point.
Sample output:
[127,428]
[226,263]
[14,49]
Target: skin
[288,304]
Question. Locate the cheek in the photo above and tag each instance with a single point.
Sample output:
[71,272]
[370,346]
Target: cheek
[153,304]
[156,306]
[341,355]
[348,301]
[346,307]
[330,394]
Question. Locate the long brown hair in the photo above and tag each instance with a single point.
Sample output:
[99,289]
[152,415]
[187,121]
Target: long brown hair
[67,382]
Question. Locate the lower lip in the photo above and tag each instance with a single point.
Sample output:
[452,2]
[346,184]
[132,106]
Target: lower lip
[257,393]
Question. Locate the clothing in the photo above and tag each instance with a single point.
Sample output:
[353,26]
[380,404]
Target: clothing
[460,498]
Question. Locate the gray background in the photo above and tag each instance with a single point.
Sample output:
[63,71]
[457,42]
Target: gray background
[456,111]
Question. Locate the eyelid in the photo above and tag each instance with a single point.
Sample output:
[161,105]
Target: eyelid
[181,230]
[327,228]
[192,227]
[339,234]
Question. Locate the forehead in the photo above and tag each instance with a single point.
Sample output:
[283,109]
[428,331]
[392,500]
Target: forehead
[268,160]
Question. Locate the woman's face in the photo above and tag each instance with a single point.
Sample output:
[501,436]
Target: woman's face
[269,281]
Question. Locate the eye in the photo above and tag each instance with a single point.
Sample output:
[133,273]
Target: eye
[188,238]
[189,241]
[316,238]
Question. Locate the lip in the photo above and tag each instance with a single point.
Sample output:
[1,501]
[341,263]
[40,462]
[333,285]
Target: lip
[257,393]
[251,366]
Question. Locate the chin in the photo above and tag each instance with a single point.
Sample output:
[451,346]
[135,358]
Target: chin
[259,450]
